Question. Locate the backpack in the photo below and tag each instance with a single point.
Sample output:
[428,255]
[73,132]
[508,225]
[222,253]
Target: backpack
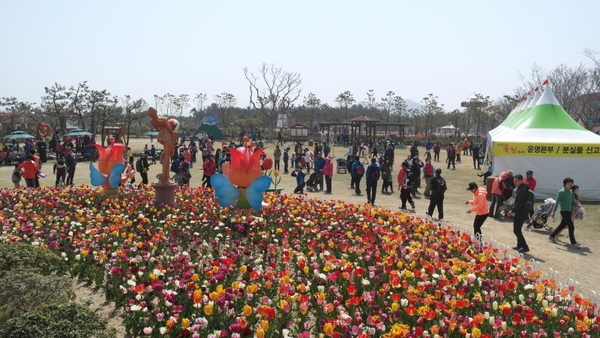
[441,185]
[360,169]
[138,165]
[410,178]
[374,173]
[530,200]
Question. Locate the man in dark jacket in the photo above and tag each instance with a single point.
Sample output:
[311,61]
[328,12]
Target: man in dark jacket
[373,174]
[438,188]
[145,167]
[520,213]
[286,159]
[357,172]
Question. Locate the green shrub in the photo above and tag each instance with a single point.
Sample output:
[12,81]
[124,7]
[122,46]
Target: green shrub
[69,320]
[31,257]
[22,291]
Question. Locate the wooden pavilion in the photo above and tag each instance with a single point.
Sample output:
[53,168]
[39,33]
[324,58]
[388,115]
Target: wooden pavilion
[363,127]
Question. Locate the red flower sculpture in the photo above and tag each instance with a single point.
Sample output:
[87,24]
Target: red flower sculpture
[244,166]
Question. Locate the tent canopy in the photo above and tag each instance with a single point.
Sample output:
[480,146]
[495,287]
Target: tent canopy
[210,129]
[545,139]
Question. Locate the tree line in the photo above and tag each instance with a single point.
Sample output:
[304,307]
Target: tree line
[273,90]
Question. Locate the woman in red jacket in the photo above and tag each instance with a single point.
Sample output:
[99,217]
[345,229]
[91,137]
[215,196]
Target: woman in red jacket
[327,171]
[30,171]
[403,186]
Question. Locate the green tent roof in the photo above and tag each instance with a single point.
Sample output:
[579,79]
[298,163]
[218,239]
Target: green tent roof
[210,129]
[547,113]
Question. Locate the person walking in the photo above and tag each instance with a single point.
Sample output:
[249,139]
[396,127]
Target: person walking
[531,183]
[564,201]
[520,213]
[16,176]
[299,175]
[438,189]
[389,153]
[286,159]
[30,170]
[436,152]
[451,156]
[209,168]
[71,162]
[480,207]
[428,171]
[357,172]
[60,170]
[386,176]
[475,152]
[277,157]
[328,174]
[497,195]
[373,175]
[144,167]
[404,187]
[319,165]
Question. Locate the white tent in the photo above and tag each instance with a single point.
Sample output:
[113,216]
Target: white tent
[546,140]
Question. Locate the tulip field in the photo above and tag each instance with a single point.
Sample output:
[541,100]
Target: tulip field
[305,268]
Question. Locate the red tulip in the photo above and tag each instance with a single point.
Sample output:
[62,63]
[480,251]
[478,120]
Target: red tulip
[109,157]
[244,166]
[267,163]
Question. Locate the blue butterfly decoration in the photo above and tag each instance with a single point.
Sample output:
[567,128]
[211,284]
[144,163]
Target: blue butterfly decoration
[99,179]
[228,194]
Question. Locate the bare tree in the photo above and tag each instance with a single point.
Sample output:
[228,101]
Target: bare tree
[78,104]
[476,113]
[133,111]
[108,111]
[276,92]
[95,99]
[345,100]
[313,104]
[225,103]
[20,113]
[371,100]
[198,110]
[54,104]
[429,109]
[181,104]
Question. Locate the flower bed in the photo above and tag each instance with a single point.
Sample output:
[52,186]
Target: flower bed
[306,268]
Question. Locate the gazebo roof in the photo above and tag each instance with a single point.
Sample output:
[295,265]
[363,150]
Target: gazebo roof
[364,119]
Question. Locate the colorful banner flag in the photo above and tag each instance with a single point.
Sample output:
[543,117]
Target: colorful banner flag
[545,149]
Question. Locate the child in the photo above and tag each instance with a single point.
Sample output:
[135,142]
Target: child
[16,177]
[60,169]
[299,180]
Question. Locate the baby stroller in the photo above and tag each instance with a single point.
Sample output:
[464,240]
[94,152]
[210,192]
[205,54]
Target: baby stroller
[505,208]
[341,166]
[539,219]
[313,182]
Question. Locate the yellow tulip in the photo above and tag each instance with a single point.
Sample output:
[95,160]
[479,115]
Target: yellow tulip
[208,309]
[247,310]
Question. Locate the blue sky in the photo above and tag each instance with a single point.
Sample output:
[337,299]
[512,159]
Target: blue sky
[141,48]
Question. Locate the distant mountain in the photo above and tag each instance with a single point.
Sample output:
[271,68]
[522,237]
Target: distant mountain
[410,104]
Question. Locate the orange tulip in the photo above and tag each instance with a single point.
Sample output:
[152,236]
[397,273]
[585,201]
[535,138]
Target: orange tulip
[244,166]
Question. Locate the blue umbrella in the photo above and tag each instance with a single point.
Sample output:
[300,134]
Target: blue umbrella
[18,135]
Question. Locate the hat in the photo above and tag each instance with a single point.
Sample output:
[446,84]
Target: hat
[472,186]
[529,172]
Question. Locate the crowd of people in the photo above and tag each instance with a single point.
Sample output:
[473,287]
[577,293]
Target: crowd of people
[313,170]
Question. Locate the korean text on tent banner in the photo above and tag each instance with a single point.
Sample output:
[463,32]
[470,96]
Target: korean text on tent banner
[546,149]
